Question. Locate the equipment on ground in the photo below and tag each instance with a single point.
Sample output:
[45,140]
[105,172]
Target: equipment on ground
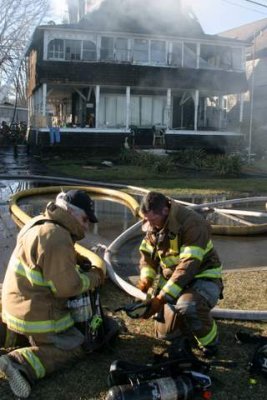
[175,374]
[136,309]
[258,363]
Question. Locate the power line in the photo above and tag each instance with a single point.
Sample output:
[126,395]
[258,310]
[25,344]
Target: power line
[243,6]
[257,3]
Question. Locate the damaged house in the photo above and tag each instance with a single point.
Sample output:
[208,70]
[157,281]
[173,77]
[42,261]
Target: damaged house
[255,99]
[134,69]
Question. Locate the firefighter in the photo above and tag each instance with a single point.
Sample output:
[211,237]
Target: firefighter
[178,252]
[41,275]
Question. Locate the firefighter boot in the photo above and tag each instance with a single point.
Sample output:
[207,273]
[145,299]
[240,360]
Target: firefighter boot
[17,382]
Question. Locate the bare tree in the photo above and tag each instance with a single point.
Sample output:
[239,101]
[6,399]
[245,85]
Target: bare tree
[18,19]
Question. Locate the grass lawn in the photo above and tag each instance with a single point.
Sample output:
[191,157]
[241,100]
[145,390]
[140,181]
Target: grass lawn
[181,181]
[87,380]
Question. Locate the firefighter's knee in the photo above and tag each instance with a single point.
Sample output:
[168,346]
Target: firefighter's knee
[188,309]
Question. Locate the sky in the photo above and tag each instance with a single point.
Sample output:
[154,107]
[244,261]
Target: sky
[215,16]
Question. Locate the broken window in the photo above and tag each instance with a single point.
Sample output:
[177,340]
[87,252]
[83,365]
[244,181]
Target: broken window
[175,56]
[140,52]
[89,51]
[158,52]
[221,57]
[56,49]
[190,55]
[121,48]
[107,48]
[72,49]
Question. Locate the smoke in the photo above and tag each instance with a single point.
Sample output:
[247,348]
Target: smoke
[147,16]
[92,5]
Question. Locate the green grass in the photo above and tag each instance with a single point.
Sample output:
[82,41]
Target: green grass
[176,183]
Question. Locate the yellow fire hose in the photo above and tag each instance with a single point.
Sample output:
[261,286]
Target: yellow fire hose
[20,217]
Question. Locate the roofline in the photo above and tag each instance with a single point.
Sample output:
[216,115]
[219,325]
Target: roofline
[205,38]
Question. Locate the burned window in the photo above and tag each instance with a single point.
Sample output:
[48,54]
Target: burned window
[140,52]
[107,48]
[175,55]
[213,57]
[158,52]
[89,51]
[73,49]
[190,55]
[121,48]
[56,49]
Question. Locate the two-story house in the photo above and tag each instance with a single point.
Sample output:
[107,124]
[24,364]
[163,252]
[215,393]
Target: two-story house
[128,64]
[255,100]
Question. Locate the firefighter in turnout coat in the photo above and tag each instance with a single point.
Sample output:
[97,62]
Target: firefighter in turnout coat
[42,274]
[178,253]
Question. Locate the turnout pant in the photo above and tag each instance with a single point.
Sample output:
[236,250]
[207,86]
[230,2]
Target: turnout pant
[46,353]
[191,315]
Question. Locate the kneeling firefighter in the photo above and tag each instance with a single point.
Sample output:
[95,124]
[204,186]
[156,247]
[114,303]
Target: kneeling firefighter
[42,275]
[178,249]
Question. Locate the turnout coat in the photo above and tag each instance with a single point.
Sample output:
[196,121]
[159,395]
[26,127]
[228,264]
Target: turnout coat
[182,251]
[42,274]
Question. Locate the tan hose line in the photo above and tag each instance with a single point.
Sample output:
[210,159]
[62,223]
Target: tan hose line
[21,217]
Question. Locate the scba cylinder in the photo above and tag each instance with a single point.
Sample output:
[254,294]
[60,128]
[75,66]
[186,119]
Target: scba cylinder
[180,388]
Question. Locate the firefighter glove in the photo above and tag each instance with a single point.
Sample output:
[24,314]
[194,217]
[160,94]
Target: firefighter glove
[154,306]
[96,276]
[144,284]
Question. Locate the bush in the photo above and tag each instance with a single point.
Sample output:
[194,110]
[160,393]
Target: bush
[154,162]
[228,165]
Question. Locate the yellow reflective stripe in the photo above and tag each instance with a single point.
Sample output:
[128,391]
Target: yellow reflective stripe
[146,247]
[34,362]
[147,272]
[169,261]
[22,326]
[85,282]
[162,281]
[34,277]
[84,278]
[172,289]
[206,340]
[10,339]
[209,247]
[174,244]
[192,252]
[211,273]
[195,251]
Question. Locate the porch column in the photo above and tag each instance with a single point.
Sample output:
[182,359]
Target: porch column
[241,111]
[44,99]
[128,106]
[97,102]
[196,101]
[205,113]
[220,112]
[168,108]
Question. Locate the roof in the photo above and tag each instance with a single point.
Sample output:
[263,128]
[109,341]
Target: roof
[147,17]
